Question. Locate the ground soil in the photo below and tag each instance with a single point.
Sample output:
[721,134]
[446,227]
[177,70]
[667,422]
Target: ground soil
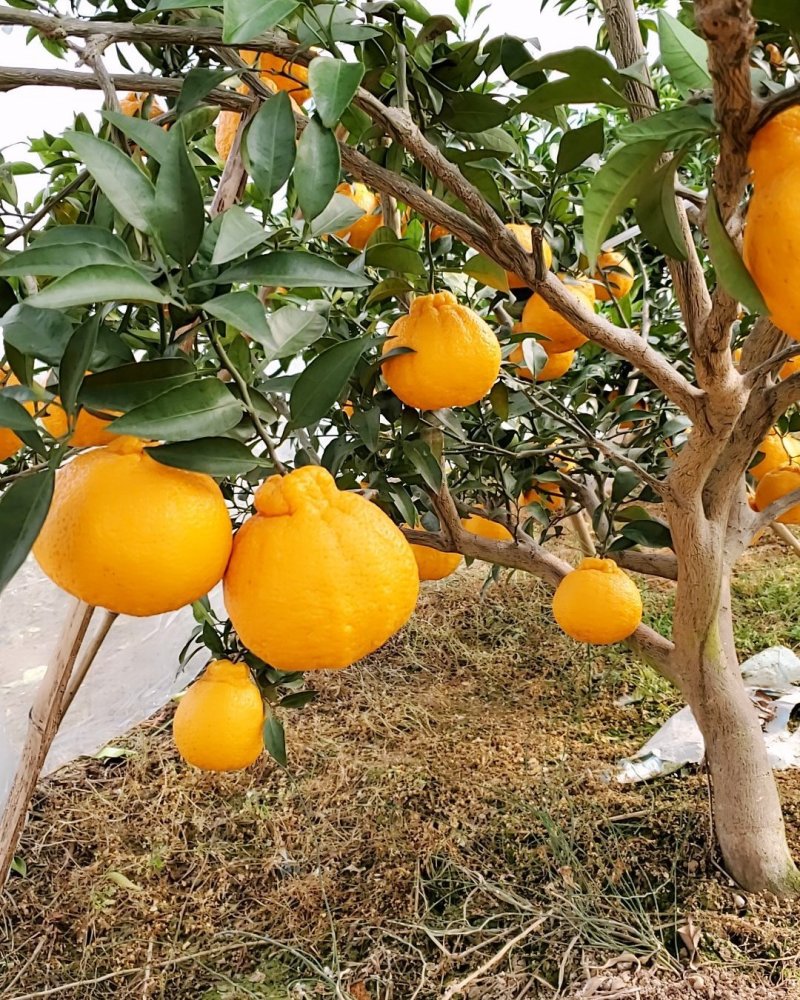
[444,799]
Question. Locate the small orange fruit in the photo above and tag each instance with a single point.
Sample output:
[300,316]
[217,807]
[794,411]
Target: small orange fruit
[129,534]
[558,334]
[285,75]
[90,431]
[777,450]
[319,577]
[617,270]
[358,233]
[10,444]
[219,722]
[598,603]
[776,484]
[455,359]
[433,564]
[791,367]
[524,238]
[547,495]
[438,233]
[133,104]
[477,525]
[555,366]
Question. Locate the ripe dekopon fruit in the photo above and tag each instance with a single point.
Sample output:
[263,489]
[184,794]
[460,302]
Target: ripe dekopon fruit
[618,272]
[357,234]
[89,431]
[557,333]
[433,564]
[776,450]
[218,724]
[776,484]
[598,603]
[131,535]
[455,360]
[319,577]
[522,233]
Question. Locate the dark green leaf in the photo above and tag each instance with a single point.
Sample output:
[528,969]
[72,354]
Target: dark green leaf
[121,181]
[676,127]
[294,269]
[395,257]
[435,27]
[784,12]
[76,360]
[613,188]
[270,144]
[498,400]
[578,144]
[238,234]
[291,330]
[14,416]
[216,456]
[53,261]
[323,382]
[333,83]
[729,266]
[244,19]
[625,482]
[97,283]
[657,212]
[298,699]
[582,63]
[684,55]
[152,138]
[39,333]
[653,534]
[316,171]
[204,408]
[179,201]
[275,739]
[468,111]
[389,288]
[367,424]
[132,385]
[570,90]
[77,235]
[243,310]
[23,508]
[481,267]
[423,460]
[197,84]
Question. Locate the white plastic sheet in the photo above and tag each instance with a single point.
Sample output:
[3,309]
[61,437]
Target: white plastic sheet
[773,679]
[136,671]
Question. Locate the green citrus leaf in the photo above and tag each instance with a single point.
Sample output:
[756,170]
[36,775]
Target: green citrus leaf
[728,264]
[23,508]
[152,138]
[179,201]
[216,456]
[657,212]
[269,144]
[97,283]
[244,19]
[294,269]
[322,383]
[684,55]
[317,168]
[203,408]
[128,386]
[333,83]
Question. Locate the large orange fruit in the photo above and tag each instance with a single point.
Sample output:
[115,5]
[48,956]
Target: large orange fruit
[90,431]
[134,536]
[615,268]
[777,450]
[319,577]
[285,75]
[598,603]
[776,484]
[477,525]
[555,366]
[455,359]
[558,334]
[791,367]
[218,724]
[776,145]
[547,495]
[358,233]
[433,564]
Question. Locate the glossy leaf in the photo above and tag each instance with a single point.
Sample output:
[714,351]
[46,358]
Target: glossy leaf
[179,201]
[238,234]
[132,385]
[728,264]
[395,257]
[39,333]
[676,126]
[684,55]
[243,311]
[198,84]
[203,408]
[275,739]
[76,360]
[333,83]
[613,188]
[423,460]
[577,145]
[53,262]
[23,509]
[127,188]
[657,212]
[14,416]
[339,214]
[473,112]
[324,381]
[270,144]
[244,19]
[625,482]
[317,169]
[216,456]
[653,534]
[97,283]
[291,330]
[152,138]
[294,270]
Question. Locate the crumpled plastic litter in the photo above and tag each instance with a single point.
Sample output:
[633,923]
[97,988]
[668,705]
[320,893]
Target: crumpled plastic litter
[135,673]
[772,678]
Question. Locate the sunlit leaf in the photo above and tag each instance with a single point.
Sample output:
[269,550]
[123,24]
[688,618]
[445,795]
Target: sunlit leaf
[317,168]
[333,83]
[684,54]
[97,283]
[728,264]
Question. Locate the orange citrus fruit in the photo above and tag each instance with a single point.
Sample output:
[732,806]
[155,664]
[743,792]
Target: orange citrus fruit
[558,334]
[477,525]
[791,367]
[598,603]
[218,724]
[455,359]
[285,75]
[524,238]
[433,564]
[319,577]
[777,450]
[773,220]
[357,234]
[226,127]
[133,104]
[90,431]
[547,495]
[618,272]
[10,444]
[776,484]
[555,366]
[129,534]
[776,145]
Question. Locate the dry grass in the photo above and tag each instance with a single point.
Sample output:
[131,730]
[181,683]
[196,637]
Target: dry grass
[443,797]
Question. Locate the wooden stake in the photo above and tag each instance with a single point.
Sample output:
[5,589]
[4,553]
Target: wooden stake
[786,536]
[581,528]
[88,658]
[43,723]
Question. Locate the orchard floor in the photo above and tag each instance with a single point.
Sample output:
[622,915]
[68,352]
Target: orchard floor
[445,800]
